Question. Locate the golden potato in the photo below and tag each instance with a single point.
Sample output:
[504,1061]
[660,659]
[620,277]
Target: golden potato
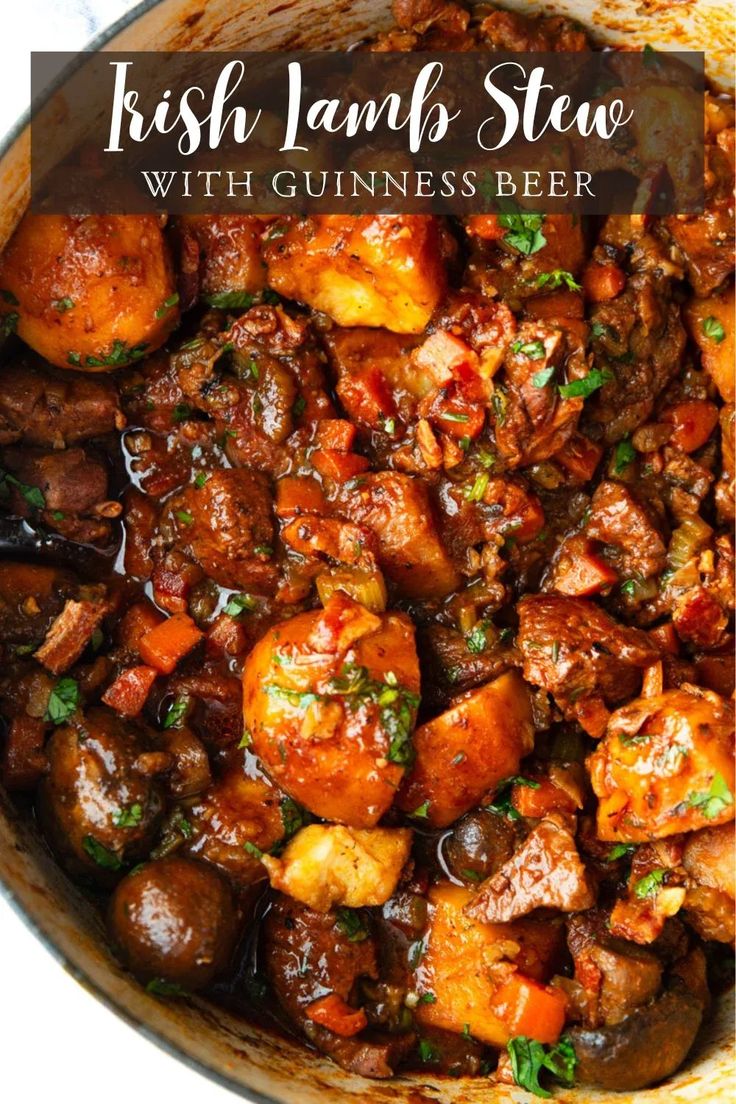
[466,961]
[666,765]
[367,270]
[711,324]
[225,252]
[327,864]
[330,700]
[93,293]
[469,749]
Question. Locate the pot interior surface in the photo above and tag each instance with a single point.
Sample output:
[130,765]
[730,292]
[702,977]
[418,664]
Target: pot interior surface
[256,1063]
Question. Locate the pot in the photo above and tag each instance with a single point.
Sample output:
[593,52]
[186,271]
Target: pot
[262,1067]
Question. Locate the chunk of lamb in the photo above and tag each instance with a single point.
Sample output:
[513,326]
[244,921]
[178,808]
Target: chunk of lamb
[665,766]
[369,270]
[399,511]
[308,955]
[546,871]
[619,520]
[72,630]
[220,259]
[51,408]
[227,526]
[532,420]
[580,655]
[65,489]
[709,901]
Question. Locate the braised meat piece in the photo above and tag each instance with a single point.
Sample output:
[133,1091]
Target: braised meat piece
[51,408]
[579,654]
[620,521]
[226,524]
[546,871]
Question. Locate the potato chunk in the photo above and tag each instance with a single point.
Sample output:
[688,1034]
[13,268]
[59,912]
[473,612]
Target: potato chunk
[399,511]
[665,766]
[466,961]
[371,270]
[327,865]
[711,324]
[93,293]
[330,699]
[469,749]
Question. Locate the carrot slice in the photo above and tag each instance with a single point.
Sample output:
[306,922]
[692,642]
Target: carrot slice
[338,466]
[169,642]
[127,694]
[528,1008]
[335,1014]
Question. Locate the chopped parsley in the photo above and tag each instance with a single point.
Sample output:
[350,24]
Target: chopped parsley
[582,388]
[175,713]
[120,354]
[245,740]
[421,811]
[620,851]
[428,1052]
[624,455]
[158,987]
[300,405]
[715,801]
[524,231]
[532,350]
[200,479]
[649,884]
[229,300]
[477,640]
[629,588]
[167,305]
[556,278]
[105,858]
[529,1058]
[33,495]
[240,603]
[713,329]
[453,416]
[63,305]
[292,816]
[543,376]
[253,850]
[128,817]
[182,411]
[475,492]
[350,923]
[184,517]
[63,701]
[263,550]
[501,804]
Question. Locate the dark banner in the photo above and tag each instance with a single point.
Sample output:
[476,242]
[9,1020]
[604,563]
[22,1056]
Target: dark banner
[362,133]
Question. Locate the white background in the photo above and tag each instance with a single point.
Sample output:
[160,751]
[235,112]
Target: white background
[58,1044]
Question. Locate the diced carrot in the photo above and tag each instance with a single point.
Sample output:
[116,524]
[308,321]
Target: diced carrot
[299,494]
[579,571]
[335,433]
[580,456]
[665,637]
[558,304]
[521,507]
[603,282]
[444,357]
[528,1008]
[336,1014]
[338,466]
[538,801]
[486,227]
[169,642]
[136,622]
[694,421]
[127,694]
